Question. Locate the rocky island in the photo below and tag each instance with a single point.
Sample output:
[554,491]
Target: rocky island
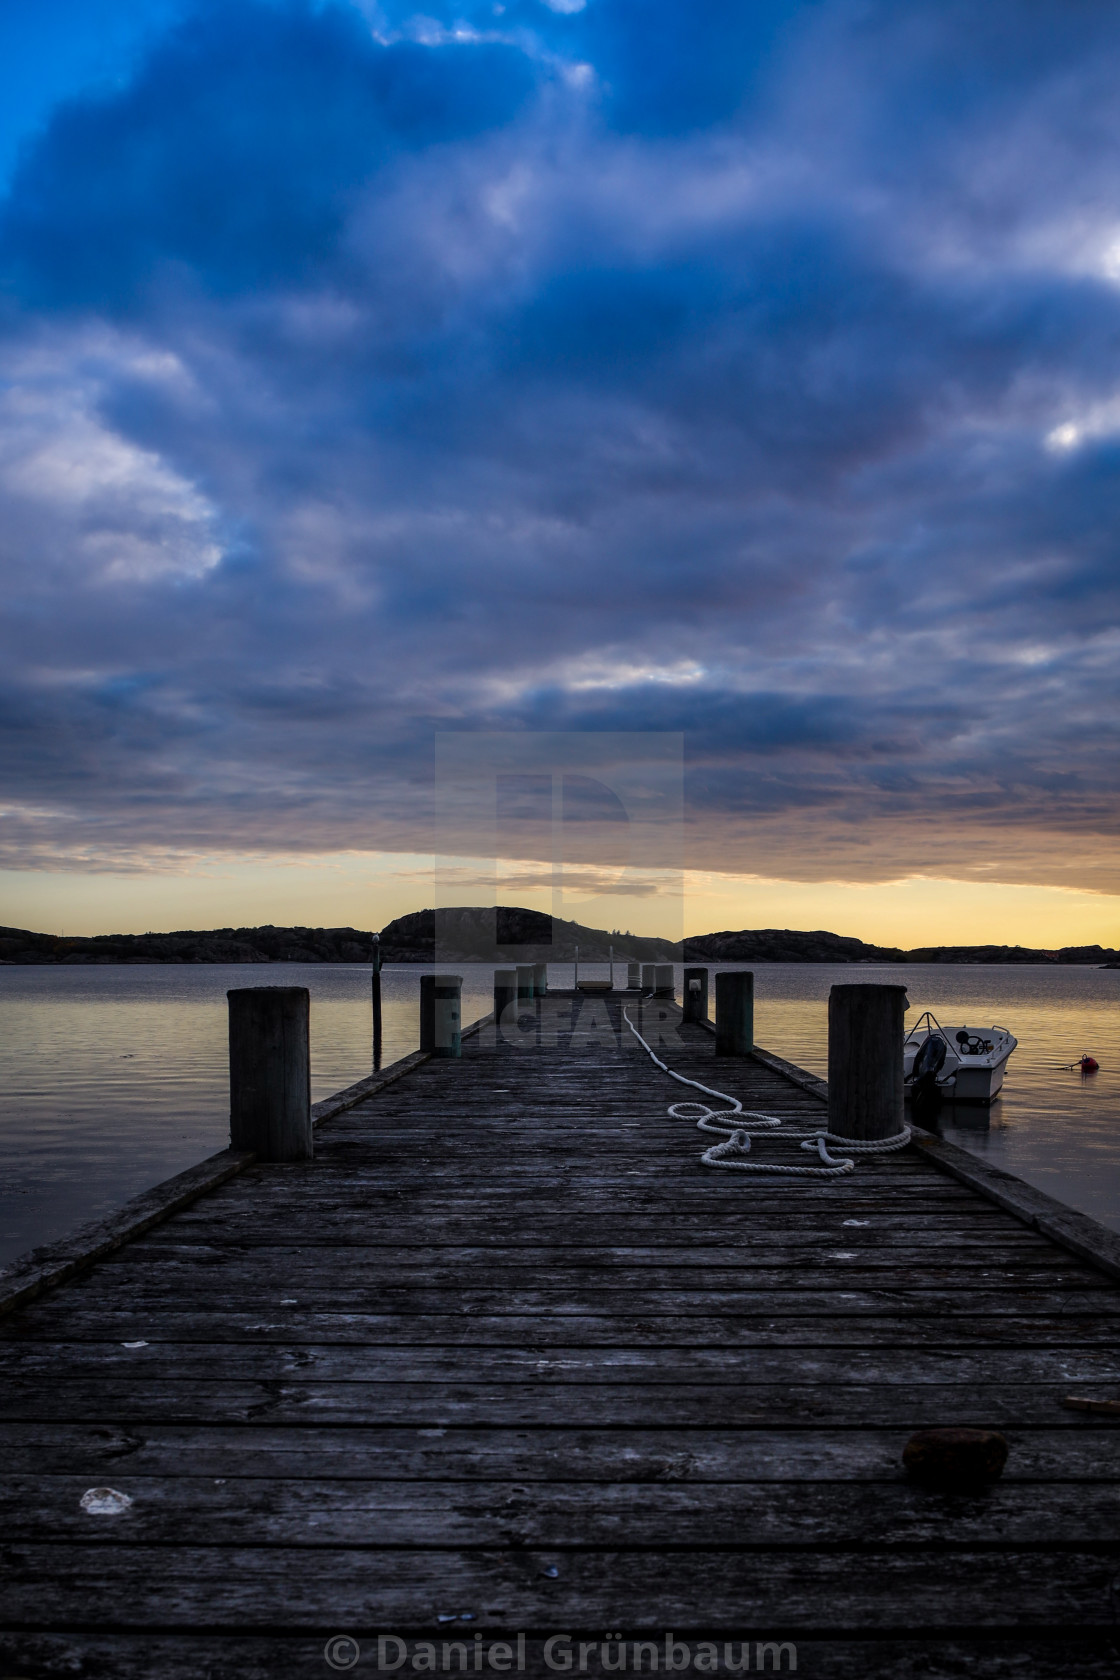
[508,934]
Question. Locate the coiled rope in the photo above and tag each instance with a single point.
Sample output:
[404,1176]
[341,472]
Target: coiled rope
[738,1123]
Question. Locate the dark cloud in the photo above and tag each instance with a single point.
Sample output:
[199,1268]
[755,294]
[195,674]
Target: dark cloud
[234,153]
[751,372]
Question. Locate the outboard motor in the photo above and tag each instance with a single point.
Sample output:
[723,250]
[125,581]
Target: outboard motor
[927,1065]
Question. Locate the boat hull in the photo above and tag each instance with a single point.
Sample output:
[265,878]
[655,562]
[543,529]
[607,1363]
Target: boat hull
[977,1084]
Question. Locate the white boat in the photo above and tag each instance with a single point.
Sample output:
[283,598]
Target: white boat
[965,1063]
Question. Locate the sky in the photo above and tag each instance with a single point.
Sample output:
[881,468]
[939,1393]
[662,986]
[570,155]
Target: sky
[742,373]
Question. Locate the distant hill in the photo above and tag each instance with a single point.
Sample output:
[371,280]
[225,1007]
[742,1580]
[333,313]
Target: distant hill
[223,945]
[789,946]
[471,934]
[784,945]
[1013,954]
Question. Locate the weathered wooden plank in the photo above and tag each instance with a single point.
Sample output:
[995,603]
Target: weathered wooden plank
[695,1246]
[790,1246]
[1072,1450]
[335,1182]
[623,1291]
[401,1224]
[285,1399]
[322,1275]
[268,1588]
[314,1512]
[855,1321]
[764,1247]
[88,1363]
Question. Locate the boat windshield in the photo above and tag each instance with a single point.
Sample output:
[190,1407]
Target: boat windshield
[929,1024]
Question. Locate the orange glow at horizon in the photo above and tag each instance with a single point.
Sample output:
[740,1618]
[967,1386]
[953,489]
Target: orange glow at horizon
[368,890]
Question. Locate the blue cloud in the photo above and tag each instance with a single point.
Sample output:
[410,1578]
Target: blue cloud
[234,151]
[669,68]
[662,67]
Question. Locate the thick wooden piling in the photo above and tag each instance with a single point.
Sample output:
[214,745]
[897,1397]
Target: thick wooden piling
[270,1072]
[447,1015]
[865,1083]
[505,994]
[734,1013]
[633,976]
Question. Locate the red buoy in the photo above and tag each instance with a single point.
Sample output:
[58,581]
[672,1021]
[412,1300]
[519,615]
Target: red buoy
[1088,1064]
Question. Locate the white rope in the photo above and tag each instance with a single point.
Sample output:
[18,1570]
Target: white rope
[737,1141]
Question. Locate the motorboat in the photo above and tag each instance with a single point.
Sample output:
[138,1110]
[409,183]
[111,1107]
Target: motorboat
[965,1063]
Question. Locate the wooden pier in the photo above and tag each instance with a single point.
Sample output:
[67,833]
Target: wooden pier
[504,1363]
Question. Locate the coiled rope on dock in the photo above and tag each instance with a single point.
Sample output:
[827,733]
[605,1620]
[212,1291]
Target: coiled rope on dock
[737,1124]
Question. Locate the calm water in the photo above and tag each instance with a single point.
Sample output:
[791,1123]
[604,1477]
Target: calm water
[113,1078]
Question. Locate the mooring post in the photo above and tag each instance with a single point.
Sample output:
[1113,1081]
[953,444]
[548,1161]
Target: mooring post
[734,1014]
[376,988]
[505,993]
[695,994]
[663,983]
[865,1079]
[526,978]
[648,981]
[540,979]
[633,976]
[447,1015]
[270,1072]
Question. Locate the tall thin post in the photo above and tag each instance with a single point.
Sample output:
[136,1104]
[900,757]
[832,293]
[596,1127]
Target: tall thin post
[575,981]
[526,982]
[734,1014]
[865,1077]
[611,949]
[540,979]
[270,1072]
[695,994]
[376,988]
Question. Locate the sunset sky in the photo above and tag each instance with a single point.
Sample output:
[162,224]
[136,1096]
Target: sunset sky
[748,373]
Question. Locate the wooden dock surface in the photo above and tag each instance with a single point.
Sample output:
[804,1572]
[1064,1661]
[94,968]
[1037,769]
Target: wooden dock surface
[505,1359]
